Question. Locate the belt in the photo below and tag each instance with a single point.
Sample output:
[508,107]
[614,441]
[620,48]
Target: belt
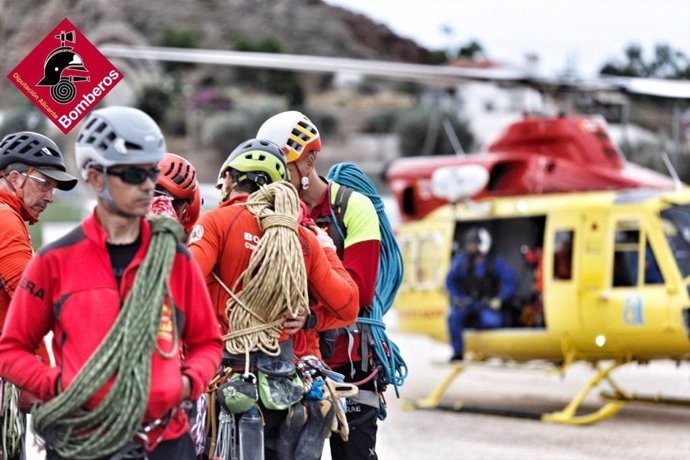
[130,451]
[238,362]
[366,397]
[143,431]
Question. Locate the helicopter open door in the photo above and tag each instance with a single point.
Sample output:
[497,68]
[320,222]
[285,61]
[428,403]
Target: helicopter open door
[517,240]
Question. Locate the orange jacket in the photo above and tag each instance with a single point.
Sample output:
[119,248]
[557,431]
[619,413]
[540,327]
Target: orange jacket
[223,241]
[15,253]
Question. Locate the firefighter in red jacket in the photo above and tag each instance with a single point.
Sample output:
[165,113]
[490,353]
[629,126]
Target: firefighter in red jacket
[359,246]
[177,192]
[122,296]
[31,168]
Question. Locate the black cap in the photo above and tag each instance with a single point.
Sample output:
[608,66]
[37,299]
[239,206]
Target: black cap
[64,181]
[39,152]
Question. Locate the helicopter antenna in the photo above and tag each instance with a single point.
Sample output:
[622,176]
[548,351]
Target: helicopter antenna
[431,133]
[452,137]
[671,170]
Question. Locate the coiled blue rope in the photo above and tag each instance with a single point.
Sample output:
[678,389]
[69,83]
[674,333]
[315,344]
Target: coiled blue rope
[389,277]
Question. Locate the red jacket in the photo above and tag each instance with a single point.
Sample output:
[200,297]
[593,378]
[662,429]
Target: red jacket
[69,288]
[15,253]
[360,257]
[224,239]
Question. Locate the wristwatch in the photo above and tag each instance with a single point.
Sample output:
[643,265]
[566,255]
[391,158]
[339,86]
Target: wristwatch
[311,322]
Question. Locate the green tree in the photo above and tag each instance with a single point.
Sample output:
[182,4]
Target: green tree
[472,50]
[665,63]
[156,100]
[24,116]
[437,57]
[224,131]
[282,82]
[422,127]
[381,122]
[179,37]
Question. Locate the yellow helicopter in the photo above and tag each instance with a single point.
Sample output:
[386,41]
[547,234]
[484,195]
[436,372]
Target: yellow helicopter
[609,282]
[588,316]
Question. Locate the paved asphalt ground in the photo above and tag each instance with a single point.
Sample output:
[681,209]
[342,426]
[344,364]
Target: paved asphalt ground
[639,431]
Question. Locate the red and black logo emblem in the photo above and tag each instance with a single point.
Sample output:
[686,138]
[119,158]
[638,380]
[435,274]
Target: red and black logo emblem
[59,68]
[65,76]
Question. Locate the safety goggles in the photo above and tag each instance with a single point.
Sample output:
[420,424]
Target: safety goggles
[43,184]
[134,175]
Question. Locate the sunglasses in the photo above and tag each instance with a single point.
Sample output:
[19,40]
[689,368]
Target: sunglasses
[45,185]
[135,175]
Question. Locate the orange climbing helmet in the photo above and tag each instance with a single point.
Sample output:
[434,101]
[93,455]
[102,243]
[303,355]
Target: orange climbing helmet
[178,180]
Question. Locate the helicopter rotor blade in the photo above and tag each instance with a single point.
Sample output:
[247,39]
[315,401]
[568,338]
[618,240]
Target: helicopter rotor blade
[442,74]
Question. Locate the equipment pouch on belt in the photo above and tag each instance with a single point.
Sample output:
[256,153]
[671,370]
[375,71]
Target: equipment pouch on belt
[279,385]
[327,342]
[237,394]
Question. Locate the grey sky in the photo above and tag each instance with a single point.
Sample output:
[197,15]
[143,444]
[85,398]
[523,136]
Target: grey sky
[584,32]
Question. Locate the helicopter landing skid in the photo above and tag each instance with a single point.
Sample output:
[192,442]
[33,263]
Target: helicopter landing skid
[566,416]
[623,396]
[499,411]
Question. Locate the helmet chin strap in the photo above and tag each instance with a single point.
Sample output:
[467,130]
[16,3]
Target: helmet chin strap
[226,193]
[108,198]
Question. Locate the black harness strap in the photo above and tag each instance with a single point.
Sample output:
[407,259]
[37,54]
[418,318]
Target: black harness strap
[336,227]
[480,288]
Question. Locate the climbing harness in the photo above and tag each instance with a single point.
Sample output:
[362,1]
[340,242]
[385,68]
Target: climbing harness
[124,357]
[13,428]
[273,286]
[197,430]
[226,445]
[388,281]
[323,383]
[212,416]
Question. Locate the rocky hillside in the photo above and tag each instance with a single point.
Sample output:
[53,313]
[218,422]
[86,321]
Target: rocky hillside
[301,26]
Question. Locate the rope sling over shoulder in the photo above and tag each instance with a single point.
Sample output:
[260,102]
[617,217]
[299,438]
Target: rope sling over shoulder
[274,284]
[124,357]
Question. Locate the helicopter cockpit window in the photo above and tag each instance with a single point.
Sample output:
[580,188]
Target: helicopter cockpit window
[626,254]
[676,225]
[562,255]
[652,273]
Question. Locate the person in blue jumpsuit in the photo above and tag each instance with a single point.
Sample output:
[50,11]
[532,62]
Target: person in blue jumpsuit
[479,283]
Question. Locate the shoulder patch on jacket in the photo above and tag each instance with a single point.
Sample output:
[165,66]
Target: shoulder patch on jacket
[73,237]
[197,234]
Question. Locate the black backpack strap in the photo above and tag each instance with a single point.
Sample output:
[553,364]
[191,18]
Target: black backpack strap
[338,233]
[336,227]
